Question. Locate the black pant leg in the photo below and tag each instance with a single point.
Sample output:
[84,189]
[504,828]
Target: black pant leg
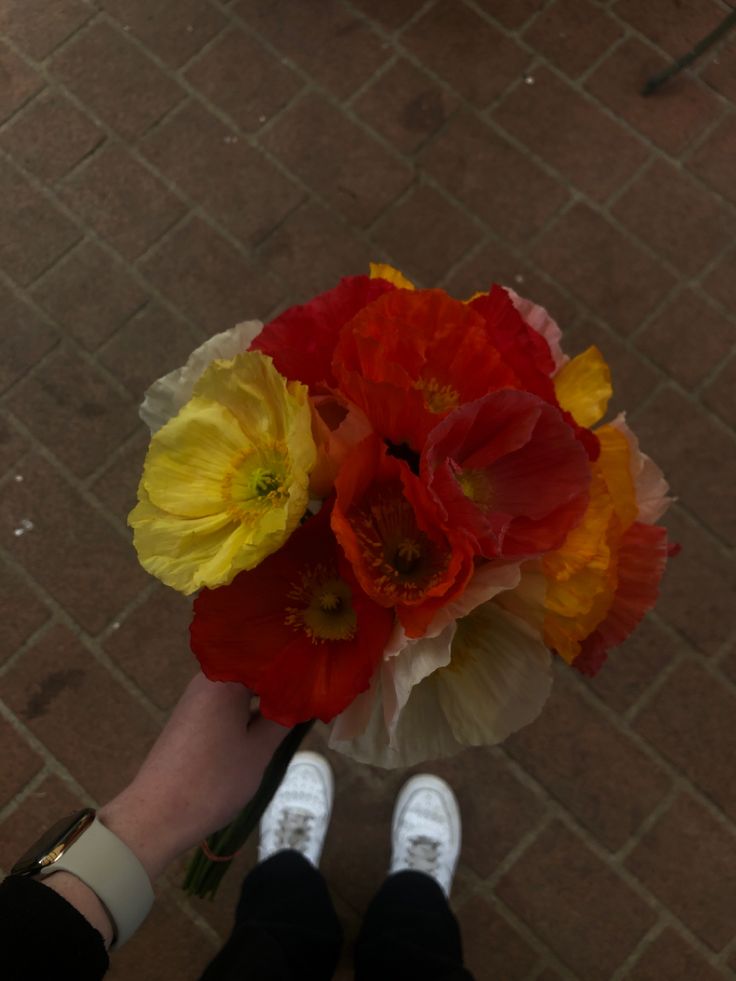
[286,927]
[409,931]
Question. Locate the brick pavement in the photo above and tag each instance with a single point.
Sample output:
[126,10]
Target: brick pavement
[169,168]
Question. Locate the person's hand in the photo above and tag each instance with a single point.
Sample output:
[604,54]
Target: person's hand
[204,767]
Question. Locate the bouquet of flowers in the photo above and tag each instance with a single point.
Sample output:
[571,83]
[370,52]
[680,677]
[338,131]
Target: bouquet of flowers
[395,511]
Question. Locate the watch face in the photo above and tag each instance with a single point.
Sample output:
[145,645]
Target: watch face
[52,844]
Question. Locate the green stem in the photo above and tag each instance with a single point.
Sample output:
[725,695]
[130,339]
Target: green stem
[203,876]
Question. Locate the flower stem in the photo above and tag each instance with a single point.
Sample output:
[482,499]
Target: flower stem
[203,876]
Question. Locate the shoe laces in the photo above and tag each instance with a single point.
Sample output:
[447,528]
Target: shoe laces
[294,829]
[423,854]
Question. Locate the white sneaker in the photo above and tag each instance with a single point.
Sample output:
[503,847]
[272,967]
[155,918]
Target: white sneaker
[299,814]
[425,835]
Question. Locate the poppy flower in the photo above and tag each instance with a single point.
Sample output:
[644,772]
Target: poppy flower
[508,470]
[392,532]
[299,631]
[225,481]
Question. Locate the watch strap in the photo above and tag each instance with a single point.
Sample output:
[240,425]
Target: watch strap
[113,872]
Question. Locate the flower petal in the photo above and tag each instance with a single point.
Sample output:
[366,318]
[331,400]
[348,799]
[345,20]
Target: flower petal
[167,395]
[583,387]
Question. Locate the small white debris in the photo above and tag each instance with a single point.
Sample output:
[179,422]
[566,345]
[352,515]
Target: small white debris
[190,28]
[18,478]
[529,79]
[115,625]
[261,119]
[230,139]
[126,27]
[519,278]
[25,525]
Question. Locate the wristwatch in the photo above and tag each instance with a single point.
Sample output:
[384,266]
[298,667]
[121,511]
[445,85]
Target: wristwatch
[82,845]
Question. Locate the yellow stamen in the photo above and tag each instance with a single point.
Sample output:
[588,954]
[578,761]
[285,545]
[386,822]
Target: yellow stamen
[439,398]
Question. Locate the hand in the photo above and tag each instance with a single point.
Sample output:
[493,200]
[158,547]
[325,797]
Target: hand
[204,767]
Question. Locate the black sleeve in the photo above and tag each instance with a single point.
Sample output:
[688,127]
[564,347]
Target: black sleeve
[44,937]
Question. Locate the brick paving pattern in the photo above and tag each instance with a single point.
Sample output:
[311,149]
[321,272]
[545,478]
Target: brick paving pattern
[170,168]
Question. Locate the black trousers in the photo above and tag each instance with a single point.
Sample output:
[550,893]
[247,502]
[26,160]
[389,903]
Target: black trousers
[286,929]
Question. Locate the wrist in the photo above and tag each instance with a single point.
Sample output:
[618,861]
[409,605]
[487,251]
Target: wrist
[147,833]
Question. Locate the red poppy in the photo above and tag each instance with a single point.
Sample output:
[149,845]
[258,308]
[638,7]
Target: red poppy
[392,532]
[642,559]
[302,339]
[420,348]
[509,471]
[298,630]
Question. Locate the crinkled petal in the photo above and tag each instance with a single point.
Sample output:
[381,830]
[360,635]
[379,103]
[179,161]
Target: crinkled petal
[381,270]
[583,387]
[652,490]
[167,395]
[538,319]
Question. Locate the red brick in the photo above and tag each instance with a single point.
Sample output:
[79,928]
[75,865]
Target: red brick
[152,646]
[12,445]
[51,137]
[688,338]
[573,34]
[21,612]
[312,250]
[511,13]
[572,134]
[90,315]
[116,487]
[613,276]
[73,410]
[405,106]
[221,288]
[697,456]
[633,379]
[39,27]
[359,181]
[235,183]
[713,160]
[497,810]
[674,116]
[590,766]
[688,860]
[675,25]
[470,159]
[690,721]
[697,593]
[116,80]
[71,551]
[20,763]
[718,69]
[578,905]
[243,79]
[671,956]
[34,233]
[478,60]
[492,949]
[494,263]
[153,343]
[122,201]
[47,804]
[390,13]
[18,82]
[721,281]
[168,947]
[76,708]
[175,30]
[670,211]
[336,48]
[720,394]
[635,665]
[425,235]
[25,338]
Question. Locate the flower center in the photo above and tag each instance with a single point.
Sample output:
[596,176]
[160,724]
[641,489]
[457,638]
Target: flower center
[321,605]
[439,398]
[256,480]
[403,561]
[476,486]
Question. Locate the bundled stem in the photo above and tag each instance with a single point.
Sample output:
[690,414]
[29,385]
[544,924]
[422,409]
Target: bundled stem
[204,875]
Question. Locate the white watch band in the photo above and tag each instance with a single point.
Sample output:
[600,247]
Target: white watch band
[104,863]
